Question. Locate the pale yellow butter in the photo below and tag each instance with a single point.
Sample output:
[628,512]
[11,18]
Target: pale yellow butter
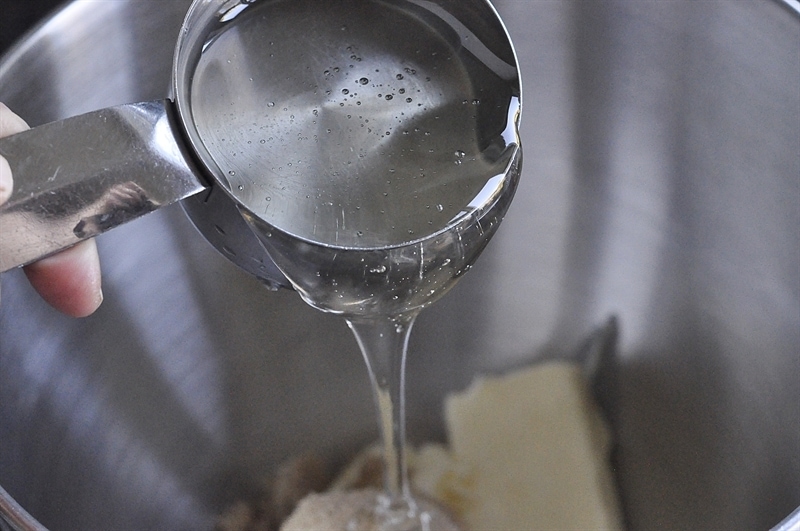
[528,451]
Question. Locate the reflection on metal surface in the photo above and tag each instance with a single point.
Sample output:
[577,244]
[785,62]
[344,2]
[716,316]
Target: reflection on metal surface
[660,186]
[73,178]
[120,204]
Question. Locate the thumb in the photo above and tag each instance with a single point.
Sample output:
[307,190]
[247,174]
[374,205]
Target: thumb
[10,123]
[6,182]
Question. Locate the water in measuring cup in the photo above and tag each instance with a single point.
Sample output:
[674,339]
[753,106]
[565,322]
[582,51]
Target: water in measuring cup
[356,129]
[374,146]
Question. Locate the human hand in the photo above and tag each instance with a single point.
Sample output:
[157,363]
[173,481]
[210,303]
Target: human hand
[69,280]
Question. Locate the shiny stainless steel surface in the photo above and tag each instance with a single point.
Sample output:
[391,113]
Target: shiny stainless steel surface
[661,185]
[88,174]
[13,517]
[791,523]
[80,177]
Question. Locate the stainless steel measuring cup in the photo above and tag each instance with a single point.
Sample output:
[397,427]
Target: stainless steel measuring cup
[82,176]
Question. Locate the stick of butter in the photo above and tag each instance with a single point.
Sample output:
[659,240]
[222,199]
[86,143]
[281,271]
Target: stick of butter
[528,451]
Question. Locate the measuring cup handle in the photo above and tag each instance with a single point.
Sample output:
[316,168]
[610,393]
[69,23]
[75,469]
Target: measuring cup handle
[79,177]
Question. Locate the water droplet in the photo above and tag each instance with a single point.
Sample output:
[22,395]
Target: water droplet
[241,187]
[399,76]
[402,91]
[345,92]
[269,198]
[231,173]
[389,97]
[378,270]
[440,208]
[476,102]
[409,100]
[262,141]
[363,81]
[271,104]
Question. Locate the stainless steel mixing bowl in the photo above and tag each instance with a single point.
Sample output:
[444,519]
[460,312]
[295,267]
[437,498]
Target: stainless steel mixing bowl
[662,186]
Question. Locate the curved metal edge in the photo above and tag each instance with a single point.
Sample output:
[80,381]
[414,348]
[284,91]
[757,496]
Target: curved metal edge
[13,517]
[793,5]
[792,522]
[24,42]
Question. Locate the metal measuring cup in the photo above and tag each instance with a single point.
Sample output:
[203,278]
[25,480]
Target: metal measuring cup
[82,176]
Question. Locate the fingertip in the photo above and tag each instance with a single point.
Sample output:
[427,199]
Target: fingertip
[11,123]
[6,181]
[70,281]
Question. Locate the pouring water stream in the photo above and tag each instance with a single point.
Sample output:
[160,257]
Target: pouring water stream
[374,174]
